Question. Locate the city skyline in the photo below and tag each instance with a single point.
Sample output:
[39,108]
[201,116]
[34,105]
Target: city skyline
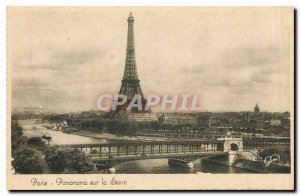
[82,56]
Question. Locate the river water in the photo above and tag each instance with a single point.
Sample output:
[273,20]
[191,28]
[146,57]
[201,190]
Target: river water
[33,128]
[161,166]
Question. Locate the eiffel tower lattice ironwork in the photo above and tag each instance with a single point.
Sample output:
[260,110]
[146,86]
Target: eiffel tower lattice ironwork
[130,82]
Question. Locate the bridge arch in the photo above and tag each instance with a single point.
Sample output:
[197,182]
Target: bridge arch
[234,147]
[232,144]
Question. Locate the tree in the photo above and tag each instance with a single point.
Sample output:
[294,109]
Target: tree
[112,125]
[268,152]
[17,138]
[284,155]
[36,142]
[62,160]
[77,161]
[29,161]
[55,159]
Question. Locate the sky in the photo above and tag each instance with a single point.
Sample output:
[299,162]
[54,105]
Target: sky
[232,58]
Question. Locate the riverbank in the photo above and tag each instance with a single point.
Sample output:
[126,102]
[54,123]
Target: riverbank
[37,128]
[102,135]
[111,136]
[260,167]
[253,166]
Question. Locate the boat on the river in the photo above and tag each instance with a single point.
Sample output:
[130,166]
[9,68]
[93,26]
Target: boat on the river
[46,137]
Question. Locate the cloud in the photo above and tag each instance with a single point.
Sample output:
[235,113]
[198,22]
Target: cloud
[197,69]
[76,56]
[29,83]
[60,60]
[250,55]
[260,78]
[223,59]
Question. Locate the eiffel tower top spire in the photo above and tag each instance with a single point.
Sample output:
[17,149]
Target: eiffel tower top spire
[130,71]
[130,83]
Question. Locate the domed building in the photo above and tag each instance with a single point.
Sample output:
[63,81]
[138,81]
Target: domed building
[256,109]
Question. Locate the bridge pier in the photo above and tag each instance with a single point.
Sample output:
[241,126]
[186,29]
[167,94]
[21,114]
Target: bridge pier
[180,162]
[232,156]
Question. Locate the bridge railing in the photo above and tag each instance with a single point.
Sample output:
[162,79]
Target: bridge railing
[147,149]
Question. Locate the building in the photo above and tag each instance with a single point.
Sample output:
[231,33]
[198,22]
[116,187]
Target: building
[138,117]
[275,122]
[240,124]
[178,119]
[256,109]
[203,120]
[259,124]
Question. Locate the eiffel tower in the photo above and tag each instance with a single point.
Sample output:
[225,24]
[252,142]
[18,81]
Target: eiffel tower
[130,82]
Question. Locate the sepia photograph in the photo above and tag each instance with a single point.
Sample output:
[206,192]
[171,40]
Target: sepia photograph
[150,98]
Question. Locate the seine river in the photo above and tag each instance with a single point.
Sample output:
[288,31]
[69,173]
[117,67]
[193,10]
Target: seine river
[33,128]
[160,166]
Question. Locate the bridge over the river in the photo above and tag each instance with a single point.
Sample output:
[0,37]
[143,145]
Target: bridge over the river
[184,151]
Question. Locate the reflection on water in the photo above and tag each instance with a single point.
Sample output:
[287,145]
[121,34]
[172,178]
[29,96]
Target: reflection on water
[33,128]
[161,166]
